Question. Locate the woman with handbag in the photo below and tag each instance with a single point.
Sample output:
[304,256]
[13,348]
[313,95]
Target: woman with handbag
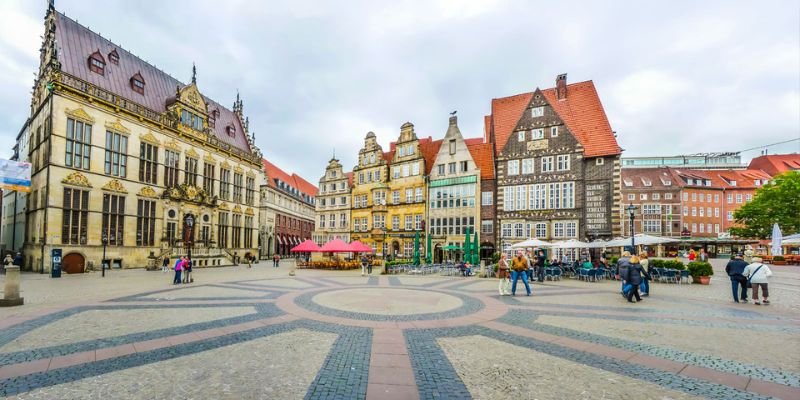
[758,276]
[503,275]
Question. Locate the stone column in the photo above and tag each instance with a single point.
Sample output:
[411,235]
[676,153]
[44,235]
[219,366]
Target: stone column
[11,290]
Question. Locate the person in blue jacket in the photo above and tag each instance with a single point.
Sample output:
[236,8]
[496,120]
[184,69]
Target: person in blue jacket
[735,270]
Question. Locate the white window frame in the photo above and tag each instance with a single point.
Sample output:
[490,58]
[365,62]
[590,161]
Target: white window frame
[599,161]
[487,226]
[521,136]
[537,112]
[527,166]
[547,164]
[513,168]
[540,230]
[562,162]
[631,196]
[553,131]
[642,196]
[487,198]
[537,133]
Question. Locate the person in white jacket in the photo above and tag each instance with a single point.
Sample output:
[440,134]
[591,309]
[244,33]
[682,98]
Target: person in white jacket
[758,275]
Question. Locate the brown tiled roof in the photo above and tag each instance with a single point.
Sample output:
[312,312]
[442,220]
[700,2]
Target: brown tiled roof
[745,179]
[487,128]
[506,112]
[76,43]
[296,181]
[656,176]
[775,164]
[429,149]
[483,155]
[581,111]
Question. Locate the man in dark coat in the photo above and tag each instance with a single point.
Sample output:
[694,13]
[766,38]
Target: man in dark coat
[735,268]
[634,277]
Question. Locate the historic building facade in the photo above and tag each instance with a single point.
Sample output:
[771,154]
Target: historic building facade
[15,203]
[286,215]
[557,165]
[333,204]
[131,162]
[656,194]
[454,190]
[370,186]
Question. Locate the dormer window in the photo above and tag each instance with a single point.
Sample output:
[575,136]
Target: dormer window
[628,182]
[230,130]
[113,57]
[192,120]
[212,118]
[137,83]
[97,63]
[647,182]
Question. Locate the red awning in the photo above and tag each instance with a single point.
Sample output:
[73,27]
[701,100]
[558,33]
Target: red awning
[306,247]
[359,247]
[336,246]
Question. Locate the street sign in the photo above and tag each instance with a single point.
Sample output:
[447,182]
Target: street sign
[55,270]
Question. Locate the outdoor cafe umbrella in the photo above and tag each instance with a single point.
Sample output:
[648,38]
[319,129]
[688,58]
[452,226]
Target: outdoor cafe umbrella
[416,248]
[359,247]
[336,246]
[531,243]
[777,238]
[640,239]
[476,259]
[307,246]
[570,244]
[467,248]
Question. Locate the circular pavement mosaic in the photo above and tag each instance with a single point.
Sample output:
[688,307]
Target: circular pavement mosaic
[386,301]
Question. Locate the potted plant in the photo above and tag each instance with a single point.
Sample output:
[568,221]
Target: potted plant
[701,272]
[778,260]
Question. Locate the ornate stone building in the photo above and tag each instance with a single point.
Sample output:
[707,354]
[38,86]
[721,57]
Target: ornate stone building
[333,204]
[370,186]
[558,171]
[129,161]
[287,211]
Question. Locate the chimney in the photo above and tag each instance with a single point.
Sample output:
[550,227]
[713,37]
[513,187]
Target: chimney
[561,86]
[453,121]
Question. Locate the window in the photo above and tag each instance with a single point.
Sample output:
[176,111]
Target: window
[702,212]
[694,211]
[224,184]
[553,131]
[148,163]
[145,222]
[409,222]
[702,197]
[667,196]
[716,198]
[708,211]
[396,222]
[236,236]
[360,177]
[321,221]
[114,219]
[396,197]
[208,178]
[527,166]
[379,221]
[631,196]
[521,197]
[572,229]
[562,163]
[738,198]
[505,230]
[521,136]
[685,211]
[75,216]
[440,169]
[409,195]
[651,226]
[237,188]
[694,196]
[250,192]
[643,196]
[730,198]
[748,197]
[96,63]
[651,209]
[401,151]
[716,212]
[558,229]
[547,164]
[464,166]
[190,171]
[195,122]
[418,222]
[342,220]
[702,228]
[248,232]
[694,228]
[519,230]
[508,198]
[453,146]
[685,196]
[733,183]
[513,167]
[116,154]
[79,144]
[415,169]
[343,200]
[113,57]
[487,198]
[656,196]
[729,217]
[137,83]
[599,161]
[541,230]
[487,226]
[418,195]
[537,112]
[537,134]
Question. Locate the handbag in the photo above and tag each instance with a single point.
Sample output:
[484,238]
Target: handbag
[750,284]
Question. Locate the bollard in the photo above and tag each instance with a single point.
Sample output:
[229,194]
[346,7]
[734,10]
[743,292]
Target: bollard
[11,290]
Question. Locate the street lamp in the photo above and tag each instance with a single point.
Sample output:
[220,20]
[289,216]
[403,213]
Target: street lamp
[631,210]
[103,261]
[189,239]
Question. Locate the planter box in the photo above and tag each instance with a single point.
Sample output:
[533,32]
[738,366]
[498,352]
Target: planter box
[779,263]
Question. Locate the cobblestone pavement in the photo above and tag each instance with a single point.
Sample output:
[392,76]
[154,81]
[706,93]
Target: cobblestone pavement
[239,333]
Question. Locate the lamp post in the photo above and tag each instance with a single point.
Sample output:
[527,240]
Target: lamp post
[189,238]
[103,261]
[631,210]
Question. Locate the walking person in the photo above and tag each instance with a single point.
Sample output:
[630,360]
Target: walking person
[531,265]
[276,260]
[364,262]
[519,269]
[178,267]
[165,264]
[703,256]
[187,271]
[645,263]
[503,275]
[735,270]
[622,269]
[634,278]
[369,265]
[758,275]
[541,262]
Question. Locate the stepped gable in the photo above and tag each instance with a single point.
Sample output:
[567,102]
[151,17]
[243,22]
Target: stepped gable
[75,43]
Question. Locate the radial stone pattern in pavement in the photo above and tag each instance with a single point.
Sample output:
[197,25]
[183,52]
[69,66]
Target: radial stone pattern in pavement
[385,337]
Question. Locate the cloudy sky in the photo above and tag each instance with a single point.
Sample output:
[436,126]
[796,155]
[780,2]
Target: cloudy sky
[675,77]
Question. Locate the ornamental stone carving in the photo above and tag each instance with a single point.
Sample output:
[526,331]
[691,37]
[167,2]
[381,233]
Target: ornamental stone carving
[209,158]
[80,114]
[76,179]
[173,145]
[225,165]
[191,194]
[238,169]
[237,209]
[147,191]
[149,138]
[223,206]
[192,153]
[117,126]
[114,185]
[249,211]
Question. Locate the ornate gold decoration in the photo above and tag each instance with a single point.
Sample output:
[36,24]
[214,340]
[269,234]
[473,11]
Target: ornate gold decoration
[147,191]
[238,169]
[149,138]
[540,144]
[79,113]
[225,165]
[114,185]
[237,209]
[117,127]
[249,211]
[223,206]
[173,145]
[209,158]
[191,96]
[250,174]
[191,194]
[192,153]
[76,179]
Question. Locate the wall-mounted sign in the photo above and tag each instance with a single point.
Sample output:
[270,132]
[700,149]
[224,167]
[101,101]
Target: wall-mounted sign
[597,206]
[540,144]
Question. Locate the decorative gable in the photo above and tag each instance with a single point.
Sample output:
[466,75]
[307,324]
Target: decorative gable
[79,114]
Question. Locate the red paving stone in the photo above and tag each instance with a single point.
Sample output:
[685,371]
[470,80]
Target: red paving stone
[657,363]
[773,389]
[390,372]
[391,392]
[71,359]
[723,378]
[113,352]
[149,345]
[32,367]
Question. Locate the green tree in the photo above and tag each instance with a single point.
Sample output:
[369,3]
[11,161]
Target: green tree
[777,201]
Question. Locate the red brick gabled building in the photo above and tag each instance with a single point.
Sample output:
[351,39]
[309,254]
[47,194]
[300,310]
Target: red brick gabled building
[776,164]
[287,211]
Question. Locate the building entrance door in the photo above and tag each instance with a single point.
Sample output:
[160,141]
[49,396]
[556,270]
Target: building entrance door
[73,263]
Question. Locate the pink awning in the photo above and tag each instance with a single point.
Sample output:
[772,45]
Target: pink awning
[359,247]
[306,247]
[336,246]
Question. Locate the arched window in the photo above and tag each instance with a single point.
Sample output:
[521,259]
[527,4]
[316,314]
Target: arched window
[231,130]
[137,83]
[97,63]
